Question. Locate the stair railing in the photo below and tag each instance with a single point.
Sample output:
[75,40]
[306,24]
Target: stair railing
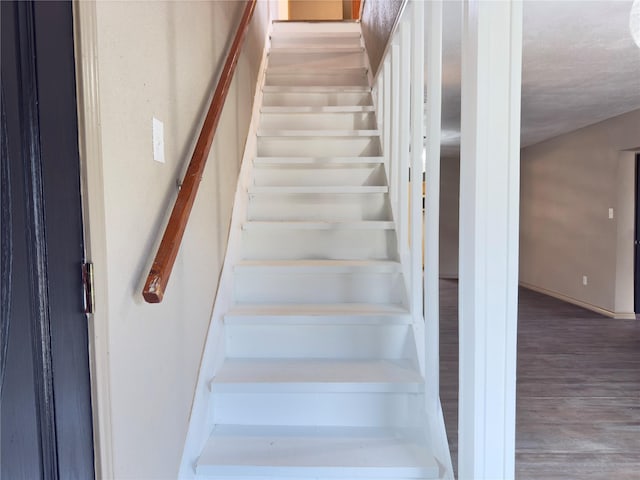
[162,266]
[399,94]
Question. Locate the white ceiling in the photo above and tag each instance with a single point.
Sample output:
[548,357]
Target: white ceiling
[580,66]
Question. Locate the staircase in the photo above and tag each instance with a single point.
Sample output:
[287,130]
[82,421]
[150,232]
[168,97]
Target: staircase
[320,377]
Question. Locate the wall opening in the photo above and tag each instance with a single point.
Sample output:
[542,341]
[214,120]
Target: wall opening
[637,239]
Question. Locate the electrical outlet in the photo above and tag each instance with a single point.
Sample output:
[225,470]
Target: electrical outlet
[158,140]
[585,280]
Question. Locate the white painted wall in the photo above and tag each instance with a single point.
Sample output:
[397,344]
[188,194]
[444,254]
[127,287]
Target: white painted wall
[568,185]
[161,59]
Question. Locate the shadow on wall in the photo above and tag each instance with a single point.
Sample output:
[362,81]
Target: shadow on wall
[378,20]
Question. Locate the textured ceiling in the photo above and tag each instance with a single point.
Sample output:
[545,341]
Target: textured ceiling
[580,66]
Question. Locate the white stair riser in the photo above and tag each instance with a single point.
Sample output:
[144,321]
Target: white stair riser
[265,286]
[318,59]
[285,29]
[300,78]
[290,244]
[318,121]
[353,175]
[345,341]
[311,39]
[319,207]
[324,99]
[318,146]
[320,409]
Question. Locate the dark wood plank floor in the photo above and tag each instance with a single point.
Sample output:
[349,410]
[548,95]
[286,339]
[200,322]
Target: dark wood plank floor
[578,389]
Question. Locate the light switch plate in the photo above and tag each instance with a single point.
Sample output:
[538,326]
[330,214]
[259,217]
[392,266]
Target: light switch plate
[158,140]
[611,214]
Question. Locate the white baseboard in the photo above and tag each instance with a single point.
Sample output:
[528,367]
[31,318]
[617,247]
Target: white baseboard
[580,303]
[565,298]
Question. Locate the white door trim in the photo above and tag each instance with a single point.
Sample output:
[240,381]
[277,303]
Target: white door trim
[92,187]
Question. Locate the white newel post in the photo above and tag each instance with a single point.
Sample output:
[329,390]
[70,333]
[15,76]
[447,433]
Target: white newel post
[431,236]
[489,227]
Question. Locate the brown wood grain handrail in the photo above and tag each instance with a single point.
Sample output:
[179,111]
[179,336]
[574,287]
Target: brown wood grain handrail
[160,272]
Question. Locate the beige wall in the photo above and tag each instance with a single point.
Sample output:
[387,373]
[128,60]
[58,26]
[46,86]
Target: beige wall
[161,59]
[568,185]
[449,216]
[315,9]
[378,19]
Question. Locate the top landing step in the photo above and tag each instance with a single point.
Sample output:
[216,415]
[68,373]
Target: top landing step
[318,49]
[307,33]
[316,89]
[298,28]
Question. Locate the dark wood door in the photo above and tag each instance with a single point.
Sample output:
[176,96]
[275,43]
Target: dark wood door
[45,401]
[637,239]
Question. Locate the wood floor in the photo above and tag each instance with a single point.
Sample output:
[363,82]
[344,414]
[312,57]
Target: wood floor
[578,389]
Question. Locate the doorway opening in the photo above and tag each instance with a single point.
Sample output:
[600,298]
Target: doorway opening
[319,10]
[637,239]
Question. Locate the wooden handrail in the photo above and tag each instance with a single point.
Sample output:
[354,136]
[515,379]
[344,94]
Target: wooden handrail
[158,277]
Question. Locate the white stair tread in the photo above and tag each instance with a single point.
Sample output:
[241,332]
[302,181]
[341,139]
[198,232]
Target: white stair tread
[314,33]
[305,70]
[315,310]
[319,48]
[315,452]
[332,189]
[269,375]
[318,133]
[314,160]
[315,89]
[318,314]
[320,266]
[319,109]
[303,225]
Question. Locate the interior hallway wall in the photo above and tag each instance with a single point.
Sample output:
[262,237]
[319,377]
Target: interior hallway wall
[162,59]
[568,185]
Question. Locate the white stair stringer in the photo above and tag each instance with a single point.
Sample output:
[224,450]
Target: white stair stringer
[315,373]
